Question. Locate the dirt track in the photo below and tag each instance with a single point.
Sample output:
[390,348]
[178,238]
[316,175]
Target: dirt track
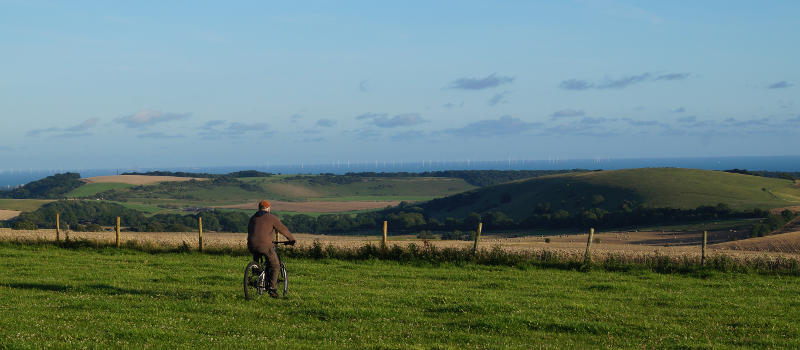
[637,243]
[318,206]
[137,179]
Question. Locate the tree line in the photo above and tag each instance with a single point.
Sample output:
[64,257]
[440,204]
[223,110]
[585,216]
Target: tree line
[404,218]
[54,186]
[786,175]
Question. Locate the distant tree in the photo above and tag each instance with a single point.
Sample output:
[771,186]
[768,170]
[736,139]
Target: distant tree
[51,187]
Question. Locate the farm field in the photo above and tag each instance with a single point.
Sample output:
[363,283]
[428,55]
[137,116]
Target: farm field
[298,194]
[8,214]
[669,243]
[22,204]
[123,298]
[318,206]
[91,189]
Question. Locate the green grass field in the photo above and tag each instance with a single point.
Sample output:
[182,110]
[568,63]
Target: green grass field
[54,297]
[91,189]
[23,204]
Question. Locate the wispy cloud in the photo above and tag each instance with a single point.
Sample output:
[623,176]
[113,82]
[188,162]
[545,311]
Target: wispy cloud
[147,118]
[294,118]
[79,130]
[620,83]
[624,81]
[384,121]
[678,110]
[673,76]
[212,124]
[157,135]
[37,132]
[326,123]
[567,113]
[503,126]
[493,80]
[453,105]
[575,84]
[780,85]
[593,121]
[635,122]
[363,86]
[218,129]
[689,119]
[86,125]
[408,119]
[499,98]
[370,115]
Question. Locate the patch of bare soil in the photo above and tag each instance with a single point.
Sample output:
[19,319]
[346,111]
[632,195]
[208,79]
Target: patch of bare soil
[8,214]
[318,207]
[138,179]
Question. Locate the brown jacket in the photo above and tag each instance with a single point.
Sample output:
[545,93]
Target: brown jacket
[261,232]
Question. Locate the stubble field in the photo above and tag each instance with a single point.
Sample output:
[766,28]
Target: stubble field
[675,244]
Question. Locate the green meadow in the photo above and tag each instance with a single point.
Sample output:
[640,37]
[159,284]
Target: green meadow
[104,297]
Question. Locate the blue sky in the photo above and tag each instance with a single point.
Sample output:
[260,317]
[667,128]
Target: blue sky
[166,84]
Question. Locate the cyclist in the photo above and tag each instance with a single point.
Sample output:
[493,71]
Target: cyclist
[260,235]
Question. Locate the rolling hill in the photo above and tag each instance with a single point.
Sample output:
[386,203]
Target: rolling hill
[616,190]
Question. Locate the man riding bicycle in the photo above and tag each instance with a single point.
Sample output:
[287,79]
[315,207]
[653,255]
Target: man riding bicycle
[260,235]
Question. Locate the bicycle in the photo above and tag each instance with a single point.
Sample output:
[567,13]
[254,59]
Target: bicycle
[256,276]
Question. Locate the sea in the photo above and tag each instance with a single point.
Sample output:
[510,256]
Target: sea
[12,178]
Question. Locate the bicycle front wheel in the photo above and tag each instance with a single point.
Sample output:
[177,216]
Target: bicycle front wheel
[253,281]
[285,279]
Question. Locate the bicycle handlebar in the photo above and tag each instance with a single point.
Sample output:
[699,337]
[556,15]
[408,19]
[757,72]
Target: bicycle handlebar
[281,242]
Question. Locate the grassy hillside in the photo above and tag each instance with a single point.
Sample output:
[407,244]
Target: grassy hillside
[363,188]
[91,189]
[127,299]
[612,190]
[23,204]
[287,188]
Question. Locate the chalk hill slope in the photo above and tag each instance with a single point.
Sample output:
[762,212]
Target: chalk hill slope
[620,189]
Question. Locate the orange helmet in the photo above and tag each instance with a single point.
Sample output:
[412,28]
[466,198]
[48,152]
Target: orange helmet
[263,204]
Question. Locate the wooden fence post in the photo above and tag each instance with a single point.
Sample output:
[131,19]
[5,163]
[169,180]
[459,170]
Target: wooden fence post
[58,227]
[588,258]
[200,232]
[703,252]
[385,232]
[477,238]
[117,230]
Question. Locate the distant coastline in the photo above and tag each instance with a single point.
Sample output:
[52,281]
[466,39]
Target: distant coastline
[10,178]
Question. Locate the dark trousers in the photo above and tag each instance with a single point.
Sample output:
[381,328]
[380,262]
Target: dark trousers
[272,264]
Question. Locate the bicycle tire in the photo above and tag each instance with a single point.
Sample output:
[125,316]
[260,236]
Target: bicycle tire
[285,279]
[251,283]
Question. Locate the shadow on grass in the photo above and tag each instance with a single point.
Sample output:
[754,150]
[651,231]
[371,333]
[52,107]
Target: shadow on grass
[46,287]
[107,289]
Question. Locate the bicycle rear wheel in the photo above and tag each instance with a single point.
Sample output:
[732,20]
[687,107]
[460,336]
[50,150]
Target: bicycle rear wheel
[285,279]
[253,281]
